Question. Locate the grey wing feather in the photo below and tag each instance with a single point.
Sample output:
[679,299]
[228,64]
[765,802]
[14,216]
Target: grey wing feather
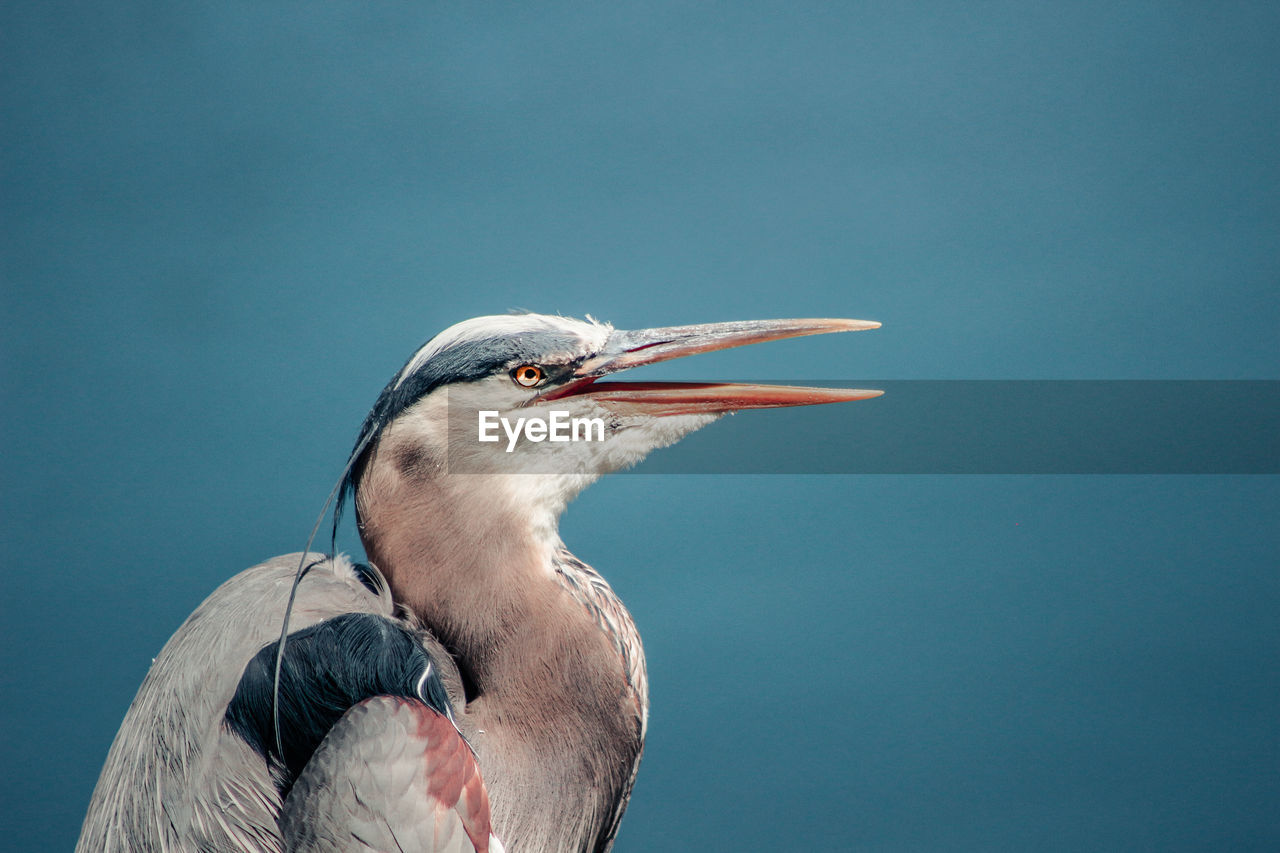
[391,776]
[174,780]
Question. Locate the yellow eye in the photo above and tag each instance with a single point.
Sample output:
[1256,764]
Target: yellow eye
[527,375]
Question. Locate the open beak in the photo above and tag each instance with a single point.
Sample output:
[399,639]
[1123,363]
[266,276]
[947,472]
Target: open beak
[627,349]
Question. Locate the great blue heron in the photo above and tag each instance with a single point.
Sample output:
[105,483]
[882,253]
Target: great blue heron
[476,682]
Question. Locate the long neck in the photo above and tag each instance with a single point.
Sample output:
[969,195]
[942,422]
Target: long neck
[551,660]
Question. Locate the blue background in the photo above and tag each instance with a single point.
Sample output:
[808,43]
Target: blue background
[227,224]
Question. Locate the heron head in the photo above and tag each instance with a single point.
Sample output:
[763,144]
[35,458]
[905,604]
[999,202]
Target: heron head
[522,395]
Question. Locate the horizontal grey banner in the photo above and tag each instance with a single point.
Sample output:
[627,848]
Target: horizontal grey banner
[998,427]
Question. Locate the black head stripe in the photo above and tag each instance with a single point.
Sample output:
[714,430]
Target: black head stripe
[464,361]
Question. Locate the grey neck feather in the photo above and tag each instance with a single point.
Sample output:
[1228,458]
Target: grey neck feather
[557,698]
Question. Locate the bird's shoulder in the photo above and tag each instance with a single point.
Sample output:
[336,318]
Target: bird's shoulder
[392,774]
[195,764]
